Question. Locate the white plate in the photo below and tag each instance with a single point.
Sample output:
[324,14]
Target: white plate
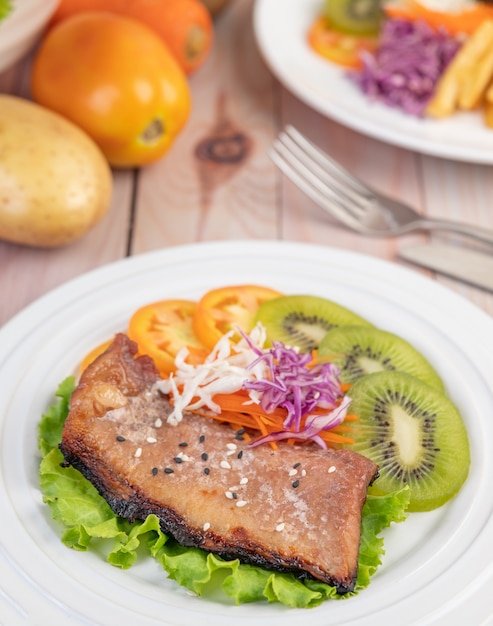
[437,569]
[281,35]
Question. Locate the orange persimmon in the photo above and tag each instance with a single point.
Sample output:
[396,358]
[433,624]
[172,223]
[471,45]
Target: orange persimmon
[185,26]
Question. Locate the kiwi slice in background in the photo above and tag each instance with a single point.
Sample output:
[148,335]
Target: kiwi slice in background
[361,350]
[356,17]
[414,433]
[303,321]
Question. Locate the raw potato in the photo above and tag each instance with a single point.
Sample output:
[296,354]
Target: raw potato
[55,184]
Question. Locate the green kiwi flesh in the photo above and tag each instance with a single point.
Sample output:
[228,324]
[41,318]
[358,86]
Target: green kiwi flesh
[414,433]
[361,350]
[302,321]
[358,17]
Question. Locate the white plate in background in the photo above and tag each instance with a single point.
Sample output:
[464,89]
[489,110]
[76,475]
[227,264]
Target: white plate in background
[281,32]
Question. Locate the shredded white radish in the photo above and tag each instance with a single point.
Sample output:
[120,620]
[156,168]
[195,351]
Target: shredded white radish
[225,370]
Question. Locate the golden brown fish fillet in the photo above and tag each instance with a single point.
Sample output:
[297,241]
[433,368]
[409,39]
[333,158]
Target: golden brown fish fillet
[294,509]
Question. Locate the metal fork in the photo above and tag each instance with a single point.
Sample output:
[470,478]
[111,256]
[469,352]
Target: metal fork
[348,199]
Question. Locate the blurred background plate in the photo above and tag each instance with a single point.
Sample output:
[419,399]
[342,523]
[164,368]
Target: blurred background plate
[281,33]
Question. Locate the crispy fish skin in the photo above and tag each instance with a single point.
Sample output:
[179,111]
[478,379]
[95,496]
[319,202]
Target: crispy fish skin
[294,509]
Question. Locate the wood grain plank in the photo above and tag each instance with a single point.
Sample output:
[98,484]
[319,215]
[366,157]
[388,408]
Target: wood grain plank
[217,182]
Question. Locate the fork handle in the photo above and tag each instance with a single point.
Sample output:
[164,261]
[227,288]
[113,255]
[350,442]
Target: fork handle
[475,232]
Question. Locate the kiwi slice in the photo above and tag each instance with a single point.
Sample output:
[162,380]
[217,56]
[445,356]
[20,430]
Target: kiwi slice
[414,433]
[361,350]
[358,17]
[303,321]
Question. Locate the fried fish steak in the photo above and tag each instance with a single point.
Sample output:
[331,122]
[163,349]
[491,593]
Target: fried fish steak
[294,509]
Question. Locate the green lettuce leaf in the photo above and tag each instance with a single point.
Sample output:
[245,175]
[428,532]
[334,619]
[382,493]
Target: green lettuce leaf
[89,523]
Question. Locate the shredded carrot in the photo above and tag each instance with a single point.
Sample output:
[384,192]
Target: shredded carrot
[465,21]
[237,409]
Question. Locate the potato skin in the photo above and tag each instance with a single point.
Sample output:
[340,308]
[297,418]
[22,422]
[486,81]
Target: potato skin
[55,183]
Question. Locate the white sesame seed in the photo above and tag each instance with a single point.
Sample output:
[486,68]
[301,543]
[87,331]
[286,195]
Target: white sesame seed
[151,440]
[225,465]
[241,503]
[293,472]
[244,481]
[280,527]
[230,452]
[331,469]
[206,526]
[158,423]
[228,495]
[303,472]
[138,452]
[231,446]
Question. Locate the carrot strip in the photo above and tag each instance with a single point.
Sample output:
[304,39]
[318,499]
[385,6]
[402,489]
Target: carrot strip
[465,21]
[237,409]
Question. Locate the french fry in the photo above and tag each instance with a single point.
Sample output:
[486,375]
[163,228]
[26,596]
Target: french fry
[467,76]
[489,93]
[488,114]
[476,83]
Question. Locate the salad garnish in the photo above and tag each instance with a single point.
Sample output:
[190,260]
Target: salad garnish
[279,382]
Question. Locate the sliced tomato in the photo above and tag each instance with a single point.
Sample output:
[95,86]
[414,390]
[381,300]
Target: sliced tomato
[341,48]
[221,310]
[93,354]
[162,328]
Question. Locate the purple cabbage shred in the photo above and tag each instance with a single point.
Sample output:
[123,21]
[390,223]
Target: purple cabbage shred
[406,67]
[300,390]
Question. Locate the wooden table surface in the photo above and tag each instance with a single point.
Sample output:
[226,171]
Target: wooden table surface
[185,199]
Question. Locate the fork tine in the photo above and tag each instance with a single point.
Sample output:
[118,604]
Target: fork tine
[326,162]
[312,186]
[323,179]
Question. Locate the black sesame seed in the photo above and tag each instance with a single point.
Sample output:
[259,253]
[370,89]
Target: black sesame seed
[120,438]
[296,465]
[235,495]
[296,484]
[242,431]
[178,459]
[207,471]
[239,438]
[202,438]
[155,470]
[183,444]
[204,456]
[240,454]
[168,470]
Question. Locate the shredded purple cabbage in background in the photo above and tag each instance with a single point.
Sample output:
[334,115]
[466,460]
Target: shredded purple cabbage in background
[299,389]
[407,65]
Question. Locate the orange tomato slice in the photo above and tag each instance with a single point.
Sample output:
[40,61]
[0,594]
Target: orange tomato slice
[93,354]
[338,47]
[162,328]
[465,21]
[221,310]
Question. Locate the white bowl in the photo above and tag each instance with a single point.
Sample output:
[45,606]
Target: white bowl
[20,31]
